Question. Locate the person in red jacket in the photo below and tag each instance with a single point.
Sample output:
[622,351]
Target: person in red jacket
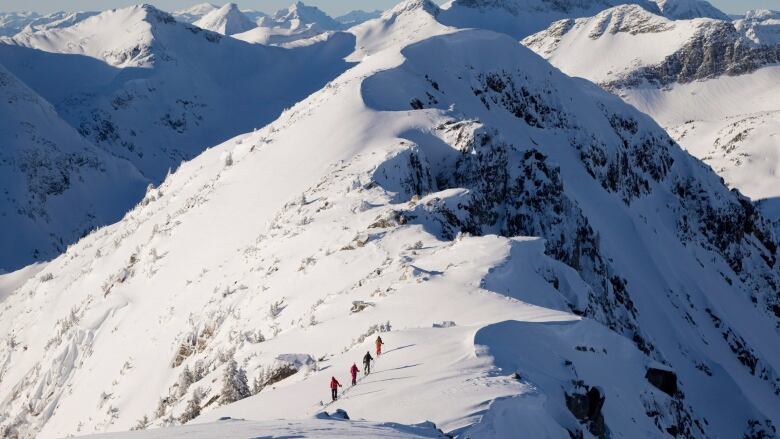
[354,371]
[334,387]
[379,344]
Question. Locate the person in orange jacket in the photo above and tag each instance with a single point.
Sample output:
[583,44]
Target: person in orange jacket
[379,344]
[354,371]
[334,387]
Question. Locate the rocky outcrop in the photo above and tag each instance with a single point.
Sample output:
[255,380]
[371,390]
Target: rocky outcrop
[716,49]
[664,380]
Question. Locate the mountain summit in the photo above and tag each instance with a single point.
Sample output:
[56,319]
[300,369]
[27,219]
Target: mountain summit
[687,9]
[227,20]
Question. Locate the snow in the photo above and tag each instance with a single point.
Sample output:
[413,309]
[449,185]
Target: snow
[160,92]
[688,9]
[357,16]
[299,25]
[227,20]
[10,282]
[444,175]
[310,428]
[521,18]
[194,13]
[618,31]
[12,23]
[761,26]
[729,121]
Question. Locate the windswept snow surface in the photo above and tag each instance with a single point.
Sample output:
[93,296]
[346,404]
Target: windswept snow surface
[449,176]
[314,429]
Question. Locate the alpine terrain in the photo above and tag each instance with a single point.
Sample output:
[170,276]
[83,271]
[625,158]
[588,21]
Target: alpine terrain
[714,84]
[517,252]
[159,93]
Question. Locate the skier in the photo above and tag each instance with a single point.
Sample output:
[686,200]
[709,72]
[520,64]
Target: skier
[379,344]
[334,387]
[354,371]
[367,363]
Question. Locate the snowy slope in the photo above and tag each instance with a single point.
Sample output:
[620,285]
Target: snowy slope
[56,185]
[227,20]
[688,9]
[520,18]
[315,429]
[713,84]
[461,147]
[355,17]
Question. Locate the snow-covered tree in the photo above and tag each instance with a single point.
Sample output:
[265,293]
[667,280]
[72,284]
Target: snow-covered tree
[142,423]
[186,378]
[234,383]
[162,407]
[193,408]
[199,371]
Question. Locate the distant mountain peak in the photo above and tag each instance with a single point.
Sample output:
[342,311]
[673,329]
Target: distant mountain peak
[413,5]
[689,9]
[299,14]
[227,20]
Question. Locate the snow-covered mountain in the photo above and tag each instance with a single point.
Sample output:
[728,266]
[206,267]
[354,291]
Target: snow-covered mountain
[353,18]
[299,15]
[537,255]
[761,26]
[56,186]
[713,84]
[295,26]
[161,91]
[11,23]
[520,18]
[160,88]
[227,20]
[689,9]
[194,13]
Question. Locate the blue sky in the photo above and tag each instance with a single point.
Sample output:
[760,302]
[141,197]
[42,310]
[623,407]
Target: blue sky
[333,7]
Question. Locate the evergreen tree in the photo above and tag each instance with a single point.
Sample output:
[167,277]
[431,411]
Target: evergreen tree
[185,381]
[234,384]
[193,408]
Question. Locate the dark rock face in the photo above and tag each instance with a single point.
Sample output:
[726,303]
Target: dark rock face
[587,408]
[664,380]
[717,49]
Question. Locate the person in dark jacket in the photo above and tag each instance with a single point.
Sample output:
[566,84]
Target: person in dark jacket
[334,387]
[367,363]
